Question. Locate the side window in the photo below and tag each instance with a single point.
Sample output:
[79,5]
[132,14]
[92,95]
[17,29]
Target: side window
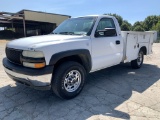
[106,23]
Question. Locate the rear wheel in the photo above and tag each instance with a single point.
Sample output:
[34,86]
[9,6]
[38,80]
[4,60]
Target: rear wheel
[68,80]
[137,63]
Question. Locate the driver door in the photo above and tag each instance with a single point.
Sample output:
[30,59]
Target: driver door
[106,50]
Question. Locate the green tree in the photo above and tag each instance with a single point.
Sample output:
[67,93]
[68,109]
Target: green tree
[126,26]
[138,28]
[118,17]
[151,21]
[139,25]
[157,28]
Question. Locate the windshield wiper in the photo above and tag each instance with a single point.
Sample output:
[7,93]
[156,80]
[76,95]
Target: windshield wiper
[67,33]
[54,33]
[80,33]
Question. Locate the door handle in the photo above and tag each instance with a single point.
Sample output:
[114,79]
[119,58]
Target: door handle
[118,42]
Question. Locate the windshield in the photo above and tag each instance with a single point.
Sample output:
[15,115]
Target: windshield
[76,26]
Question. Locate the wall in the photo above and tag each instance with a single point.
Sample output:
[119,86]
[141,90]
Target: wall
[42,17]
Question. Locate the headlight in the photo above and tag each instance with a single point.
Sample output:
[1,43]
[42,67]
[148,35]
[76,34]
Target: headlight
[33,54]
[33,59]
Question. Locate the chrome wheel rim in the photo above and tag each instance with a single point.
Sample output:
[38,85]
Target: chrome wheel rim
[139,59]
[72,81]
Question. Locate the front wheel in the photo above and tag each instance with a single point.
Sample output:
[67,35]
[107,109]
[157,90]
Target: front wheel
[68,80]
[137,63]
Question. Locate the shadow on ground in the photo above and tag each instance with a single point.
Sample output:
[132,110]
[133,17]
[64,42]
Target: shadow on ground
[103,92]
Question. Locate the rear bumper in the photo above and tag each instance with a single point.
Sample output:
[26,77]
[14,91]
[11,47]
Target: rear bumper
[35,78]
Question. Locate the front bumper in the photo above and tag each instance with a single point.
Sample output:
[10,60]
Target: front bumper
[36,78]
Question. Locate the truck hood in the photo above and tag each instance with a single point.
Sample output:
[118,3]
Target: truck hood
[29,42]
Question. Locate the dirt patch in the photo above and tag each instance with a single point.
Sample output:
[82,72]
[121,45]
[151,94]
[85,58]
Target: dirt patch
[4,41]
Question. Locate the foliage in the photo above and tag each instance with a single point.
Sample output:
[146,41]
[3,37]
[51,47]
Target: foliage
[118,17]
[138,28]
[126,26]
[151,21]
[156,27]
[138,23]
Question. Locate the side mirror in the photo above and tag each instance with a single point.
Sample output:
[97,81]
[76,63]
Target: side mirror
[107,32]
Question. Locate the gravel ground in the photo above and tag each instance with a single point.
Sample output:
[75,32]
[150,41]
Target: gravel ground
[114,93]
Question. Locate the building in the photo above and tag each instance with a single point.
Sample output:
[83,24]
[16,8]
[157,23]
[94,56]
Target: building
[29,23]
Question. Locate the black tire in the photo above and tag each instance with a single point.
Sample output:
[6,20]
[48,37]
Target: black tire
[59,85]
[137,63]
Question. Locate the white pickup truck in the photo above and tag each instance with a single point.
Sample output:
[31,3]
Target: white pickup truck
[61,60]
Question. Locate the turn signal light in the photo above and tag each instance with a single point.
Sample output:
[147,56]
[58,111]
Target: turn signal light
[34,65]
[39,65]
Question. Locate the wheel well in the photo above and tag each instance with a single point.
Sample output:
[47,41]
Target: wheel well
[144,49]
[75,58]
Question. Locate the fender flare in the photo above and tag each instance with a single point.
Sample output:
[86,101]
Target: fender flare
[83,54]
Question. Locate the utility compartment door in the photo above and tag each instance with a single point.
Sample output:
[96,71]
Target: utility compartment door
[131,47]
[152,35]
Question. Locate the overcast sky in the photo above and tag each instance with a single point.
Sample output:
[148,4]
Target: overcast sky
[135,10]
